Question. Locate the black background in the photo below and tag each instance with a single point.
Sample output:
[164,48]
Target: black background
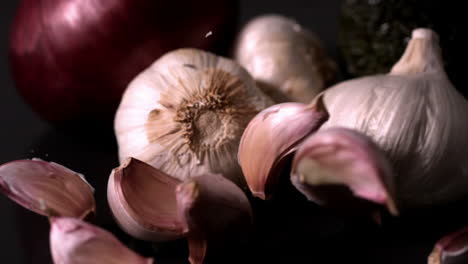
[23,235]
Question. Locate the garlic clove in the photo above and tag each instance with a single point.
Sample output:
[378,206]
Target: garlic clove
[286,60]
[185,114]
[215,210]
[452,248]
[151,205]
[197,244]
[76,242]
[143,202]
[47,188]
[334,166]
[270,137]
[416,116]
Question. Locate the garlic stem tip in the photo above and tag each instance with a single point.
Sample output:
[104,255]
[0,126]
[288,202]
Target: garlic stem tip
[424,33]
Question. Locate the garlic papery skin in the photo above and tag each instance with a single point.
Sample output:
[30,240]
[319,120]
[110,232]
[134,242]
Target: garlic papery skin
[185,114]
[451,249]
[270,137]
[286,59]
[416,117]
[342,168]
[216,211]
[47,188]
[73,241]
[143,202]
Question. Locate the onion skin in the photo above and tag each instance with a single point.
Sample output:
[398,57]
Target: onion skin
[72,59]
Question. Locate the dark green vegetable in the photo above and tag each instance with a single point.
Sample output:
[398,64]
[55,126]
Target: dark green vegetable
[373,34]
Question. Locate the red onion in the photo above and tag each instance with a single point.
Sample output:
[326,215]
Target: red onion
[72,59]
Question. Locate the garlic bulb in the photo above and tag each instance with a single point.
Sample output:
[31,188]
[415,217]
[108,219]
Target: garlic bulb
[287,60]
[185,114]
[416,116]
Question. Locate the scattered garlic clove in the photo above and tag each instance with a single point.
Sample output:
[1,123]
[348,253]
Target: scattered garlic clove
[416,116]
[198,245]
[185,114]
[334,166]
[270,137]
[151,205]
[451,249]
[47,188]
[286,59]
[76,242]
[215,210]
[143,202]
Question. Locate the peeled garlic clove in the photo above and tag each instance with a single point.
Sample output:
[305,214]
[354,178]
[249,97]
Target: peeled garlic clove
[286,59]
[416,116]
[270,137]
[185,114]
[143,202]
[334,166]
[75,242]
[451,249]
[215,210]
[47,188]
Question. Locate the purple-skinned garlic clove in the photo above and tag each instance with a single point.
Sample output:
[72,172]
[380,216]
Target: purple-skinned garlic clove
[143,202]
[47,188]
[342,168]
[215,210]
[451,249]
[151,205]
[273,135]
[73,241]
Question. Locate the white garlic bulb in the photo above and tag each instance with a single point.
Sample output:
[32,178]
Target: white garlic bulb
[416,116]
[287,60]
[185,114]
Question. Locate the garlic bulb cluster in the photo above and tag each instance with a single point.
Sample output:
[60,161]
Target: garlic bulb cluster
[416,117]
[287,60]
[185,114]
[397,139]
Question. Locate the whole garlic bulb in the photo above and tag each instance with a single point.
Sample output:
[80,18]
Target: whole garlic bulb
[287,60]
[185,114]
[416,116]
